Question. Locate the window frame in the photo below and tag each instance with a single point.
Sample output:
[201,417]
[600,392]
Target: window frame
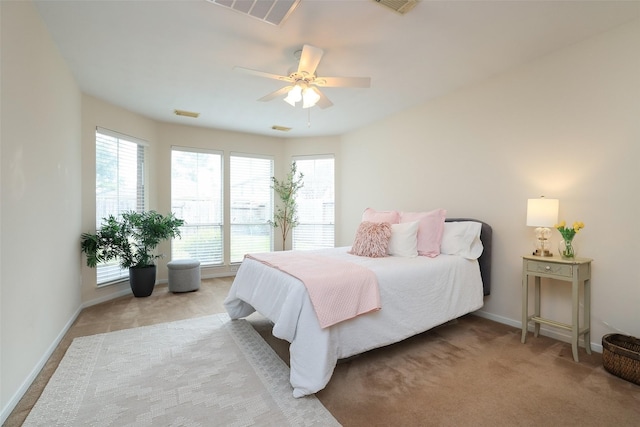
[269,209]
[118,274]
[294,240]
[218,261]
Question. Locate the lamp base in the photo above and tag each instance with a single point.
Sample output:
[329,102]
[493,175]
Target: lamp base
[543,244]
[542,252]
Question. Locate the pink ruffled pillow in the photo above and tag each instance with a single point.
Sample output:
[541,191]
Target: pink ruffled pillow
[430,230]
[372,215]
[372,239]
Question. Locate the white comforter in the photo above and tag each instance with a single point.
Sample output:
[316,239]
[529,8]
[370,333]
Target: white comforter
[416,294]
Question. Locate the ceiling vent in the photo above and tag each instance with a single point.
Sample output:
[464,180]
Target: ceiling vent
[271,11]
[186,113]
[400,6]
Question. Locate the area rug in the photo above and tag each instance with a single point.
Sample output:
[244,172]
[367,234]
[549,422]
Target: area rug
[208,371]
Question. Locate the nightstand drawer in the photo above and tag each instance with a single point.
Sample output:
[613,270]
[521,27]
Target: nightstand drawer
[550,268]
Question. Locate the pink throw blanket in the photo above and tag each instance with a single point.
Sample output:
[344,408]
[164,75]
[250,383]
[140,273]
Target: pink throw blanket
[339,290]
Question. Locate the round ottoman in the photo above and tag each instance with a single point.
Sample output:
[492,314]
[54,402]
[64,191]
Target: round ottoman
[184,275]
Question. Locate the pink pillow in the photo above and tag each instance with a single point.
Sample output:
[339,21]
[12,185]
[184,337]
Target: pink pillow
[372,239]
[371,215]
[429,231]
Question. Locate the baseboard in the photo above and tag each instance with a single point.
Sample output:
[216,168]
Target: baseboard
[499,319]
[15,399]
[6,411]
[13,402]
[544,330]
[127,291]
[219,275]
[105,298]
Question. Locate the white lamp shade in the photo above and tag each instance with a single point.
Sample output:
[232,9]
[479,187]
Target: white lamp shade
[542,212]
[309,97]
[294,95]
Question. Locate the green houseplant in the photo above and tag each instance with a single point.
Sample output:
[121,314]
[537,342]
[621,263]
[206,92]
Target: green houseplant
[131,239]
[286,215]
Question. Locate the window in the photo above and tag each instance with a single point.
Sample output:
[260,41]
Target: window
[196,197]
[315,204]
[251,201]
[119,186]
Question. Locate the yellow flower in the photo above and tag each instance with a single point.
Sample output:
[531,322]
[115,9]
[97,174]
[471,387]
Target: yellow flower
[569,233]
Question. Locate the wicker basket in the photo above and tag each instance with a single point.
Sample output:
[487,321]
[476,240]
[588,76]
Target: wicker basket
[621,356]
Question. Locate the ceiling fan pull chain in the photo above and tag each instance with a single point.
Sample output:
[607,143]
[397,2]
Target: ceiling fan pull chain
[308,117]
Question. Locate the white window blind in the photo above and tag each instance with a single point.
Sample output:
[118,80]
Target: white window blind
[196,197]
[315,204]
[251,201]
[119,186]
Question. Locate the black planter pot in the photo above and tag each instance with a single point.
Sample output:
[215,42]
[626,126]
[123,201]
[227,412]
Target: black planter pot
[142,280]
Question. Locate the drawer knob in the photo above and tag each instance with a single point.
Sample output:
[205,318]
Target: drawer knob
[547,268]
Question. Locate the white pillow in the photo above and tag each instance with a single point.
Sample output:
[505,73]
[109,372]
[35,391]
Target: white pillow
[404,239]
[462,238]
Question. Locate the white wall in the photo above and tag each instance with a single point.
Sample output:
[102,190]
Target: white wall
[40,210]
[566,126]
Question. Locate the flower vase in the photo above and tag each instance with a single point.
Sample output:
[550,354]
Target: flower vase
[567,249]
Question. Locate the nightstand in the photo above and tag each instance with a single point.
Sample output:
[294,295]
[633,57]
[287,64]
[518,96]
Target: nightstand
[575,271]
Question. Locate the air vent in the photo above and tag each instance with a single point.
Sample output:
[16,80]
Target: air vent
[272,12]
[280,128]
[400,6]
[186,113]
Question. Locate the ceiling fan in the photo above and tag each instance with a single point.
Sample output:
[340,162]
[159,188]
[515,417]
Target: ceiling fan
[303,83]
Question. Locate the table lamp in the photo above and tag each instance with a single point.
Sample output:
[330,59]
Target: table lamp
[542,213]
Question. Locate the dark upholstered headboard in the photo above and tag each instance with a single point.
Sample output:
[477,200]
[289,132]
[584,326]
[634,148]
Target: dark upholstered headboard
[486,235]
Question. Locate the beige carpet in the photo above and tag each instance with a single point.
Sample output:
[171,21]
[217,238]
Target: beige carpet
[475,372]
[472,372]
[207,371]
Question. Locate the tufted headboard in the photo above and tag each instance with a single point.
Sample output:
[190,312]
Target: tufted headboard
[486,235]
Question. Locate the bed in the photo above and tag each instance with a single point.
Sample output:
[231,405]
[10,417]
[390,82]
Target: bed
[416,294]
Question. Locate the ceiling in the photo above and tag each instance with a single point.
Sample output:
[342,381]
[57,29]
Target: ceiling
[152,57]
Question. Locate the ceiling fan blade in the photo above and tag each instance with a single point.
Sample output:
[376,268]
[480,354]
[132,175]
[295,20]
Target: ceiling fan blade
[262,74]
[276,94]
[309,59]
[343,81]
[323,102]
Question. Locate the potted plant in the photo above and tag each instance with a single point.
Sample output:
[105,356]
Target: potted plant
[131,239]
[286,215]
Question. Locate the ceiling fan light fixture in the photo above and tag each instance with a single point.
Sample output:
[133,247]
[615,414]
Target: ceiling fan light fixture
[289,101]
[294,95]
[309,98]
[303,83]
